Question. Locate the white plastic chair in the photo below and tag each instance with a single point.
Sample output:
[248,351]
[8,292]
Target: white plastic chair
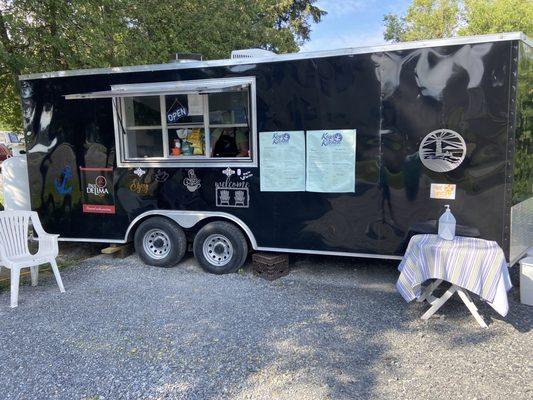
[14,251]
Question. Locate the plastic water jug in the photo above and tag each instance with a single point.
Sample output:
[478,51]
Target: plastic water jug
[447,224]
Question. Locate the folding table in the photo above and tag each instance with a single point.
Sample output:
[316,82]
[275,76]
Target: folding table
[469,264]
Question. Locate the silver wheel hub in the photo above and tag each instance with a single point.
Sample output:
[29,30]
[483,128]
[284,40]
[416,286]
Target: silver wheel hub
[156,244]
[218,250]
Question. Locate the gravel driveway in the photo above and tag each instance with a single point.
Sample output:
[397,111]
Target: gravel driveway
[335,328]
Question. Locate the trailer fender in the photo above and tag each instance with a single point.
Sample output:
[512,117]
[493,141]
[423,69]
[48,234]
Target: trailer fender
[188,219]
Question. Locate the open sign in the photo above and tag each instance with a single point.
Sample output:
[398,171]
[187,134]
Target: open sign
[176,114]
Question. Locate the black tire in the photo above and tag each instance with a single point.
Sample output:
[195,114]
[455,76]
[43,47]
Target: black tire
[155,229]
[222,236]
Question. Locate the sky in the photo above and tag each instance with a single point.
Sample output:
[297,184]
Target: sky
[352,23]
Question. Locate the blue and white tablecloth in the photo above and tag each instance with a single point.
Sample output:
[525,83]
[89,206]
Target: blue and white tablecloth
[474,264]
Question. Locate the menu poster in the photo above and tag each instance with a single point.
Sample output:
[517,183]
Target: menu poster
[282,159]
[331,161]
[97,187]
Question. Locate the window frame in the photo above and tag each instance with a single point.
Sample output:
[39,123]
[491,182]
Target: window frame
[201,86]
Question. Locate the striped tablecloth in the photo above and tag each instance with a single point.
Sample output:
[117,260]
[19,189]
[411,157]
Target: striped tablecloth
[474,264]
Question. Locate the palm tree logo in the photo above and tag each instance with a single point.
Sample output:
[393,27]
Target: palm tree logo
[442,150]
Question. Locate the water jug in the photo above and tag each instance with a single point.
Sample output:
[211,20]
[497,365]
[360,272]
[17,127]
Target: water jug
[447,224]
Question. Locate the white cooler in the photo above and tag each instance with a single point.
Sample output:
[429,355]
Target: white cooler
[526,281]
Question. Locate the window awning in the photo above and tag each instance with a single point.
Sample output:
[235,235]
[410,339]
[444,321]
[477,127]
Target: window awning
[159,88]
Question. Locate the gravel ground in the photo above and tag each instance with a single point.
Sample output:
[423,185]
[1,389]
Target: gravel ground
[335,328]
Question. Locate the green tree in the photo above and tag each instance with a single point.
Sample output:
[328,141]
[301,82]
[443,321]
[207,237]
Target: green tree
[47,35]
[432,19]
[495,16]
[424,19]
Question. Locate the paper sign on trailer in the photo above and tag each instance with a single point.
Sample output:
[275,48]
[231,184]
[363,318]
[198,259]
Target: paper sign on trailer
[331,161]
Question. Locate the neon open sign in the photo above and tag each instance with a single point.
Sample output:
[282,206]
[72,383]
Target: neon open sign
[175,115]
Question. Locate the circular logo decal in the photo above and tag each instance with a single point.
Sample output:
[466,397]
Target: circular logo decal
[442,150]
[101,181]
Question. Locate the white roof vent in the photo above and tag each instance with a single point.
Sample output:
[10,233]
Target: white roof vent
[251,53]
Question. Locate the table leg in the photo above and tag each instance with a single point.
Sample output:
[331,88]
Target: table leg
[471,306]
[427,294]
[438,303]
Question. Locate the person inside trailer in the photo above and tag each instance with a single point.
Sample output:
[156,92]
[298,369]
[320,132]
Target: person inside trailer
[229,142]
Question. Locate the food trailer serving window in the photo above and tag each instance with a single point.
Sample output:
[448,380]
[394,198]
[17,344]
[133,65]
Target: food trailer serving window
[188,123]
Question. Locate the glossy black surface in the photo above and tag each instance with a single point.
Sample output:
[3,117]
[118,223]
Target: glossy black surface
[393,99]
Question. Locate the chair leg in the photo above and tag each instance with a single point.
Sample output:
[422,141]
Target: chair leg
[15,278]
[34,272]
[56,274]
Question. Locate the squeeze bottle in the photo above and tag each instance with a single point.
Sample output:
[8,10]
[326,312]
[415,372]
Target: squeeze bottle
[447,224]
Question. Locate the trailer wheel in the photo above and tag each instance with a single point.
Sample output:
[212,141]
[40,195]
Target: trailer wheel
[220,247]
[160,242]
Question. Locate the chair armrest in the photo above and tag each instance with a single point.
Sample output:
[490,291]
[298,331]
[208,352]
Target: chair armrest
[48,241]
[3,256]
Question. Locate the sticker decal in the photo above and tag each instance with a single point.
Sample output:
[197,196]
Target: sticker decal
[138,187]
[442,191]
[98,194]
[232,194]
[161,176]
[232,197]
[62,183]
[139,172]
[442,150]
[245,175]
[99,187]
[192,183]
[228,172]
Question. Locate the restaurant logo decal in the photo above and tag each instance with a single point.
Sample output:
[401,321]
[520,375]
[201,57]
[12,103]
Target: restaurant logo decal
[442,150]
[331,138]
[232,194]
[281,138]
[62,183]
[98,196]
[192,183]
[99,187]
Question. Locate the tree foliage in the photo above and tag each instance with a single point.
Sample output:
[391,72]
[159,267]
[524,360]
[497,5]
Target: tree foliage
[47,35]
[432,19]
[424,19]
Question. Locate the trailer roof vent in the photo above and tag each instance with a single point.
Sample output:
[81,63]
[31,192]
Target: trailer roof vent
[185,57]
[251,53]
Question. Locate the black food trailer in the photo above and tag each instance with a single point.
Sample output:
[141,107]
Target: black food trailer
[344,152]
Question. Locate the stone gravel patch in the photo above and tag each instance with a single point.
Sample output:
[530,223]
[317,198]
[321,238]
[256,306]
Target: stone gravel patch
[334,328]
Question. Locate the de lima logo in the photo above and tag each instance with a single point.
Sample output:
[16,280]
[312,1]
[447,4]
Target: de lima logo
[99,187]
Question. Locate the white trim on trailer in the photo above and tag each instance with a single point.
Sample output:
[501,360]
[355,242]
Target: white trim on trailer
[67,239]
[330,253]
[188,219]
[499,37]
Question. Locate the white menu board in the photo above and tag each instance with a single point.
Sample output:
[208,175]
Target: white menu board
[331,161]
[282,161]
